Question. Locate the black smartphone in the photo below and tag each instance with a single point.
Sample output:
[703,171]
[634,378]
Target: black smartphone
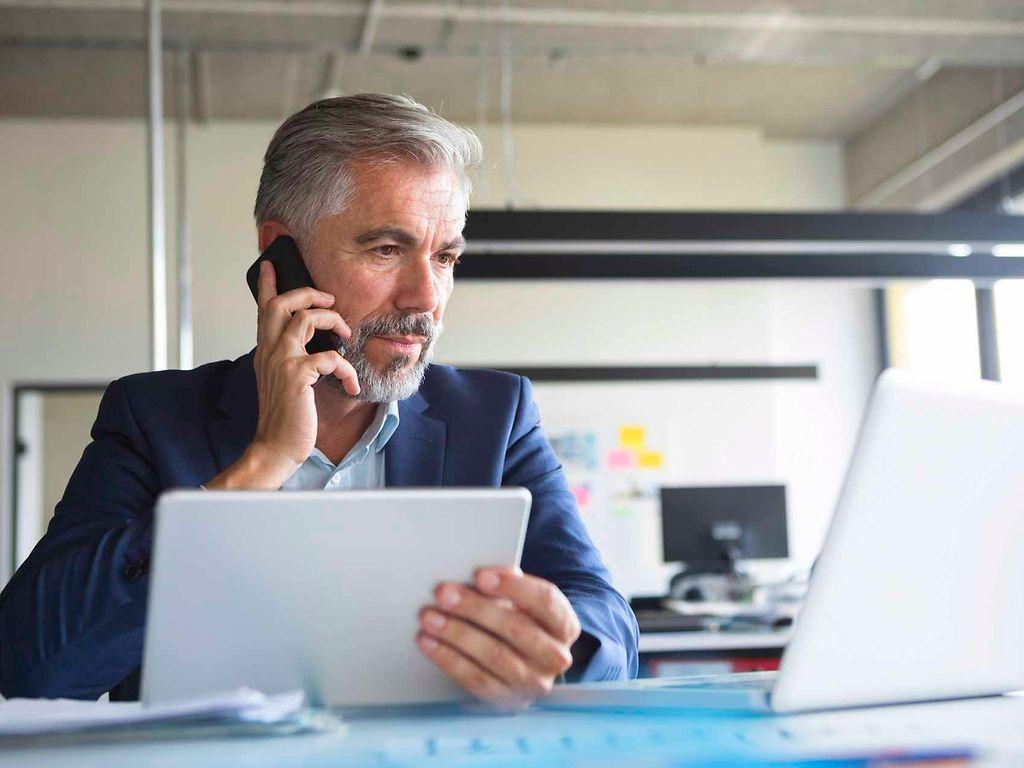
[291,273]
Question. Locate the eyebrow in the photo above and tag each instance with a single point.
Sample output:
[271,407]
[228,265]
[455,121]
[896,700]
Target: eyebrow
[403,237]
[399,235]
[457,243]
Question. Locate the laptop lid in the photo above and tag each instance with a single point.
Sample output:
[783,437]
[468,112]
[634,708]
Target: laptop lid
[314,590]
[919,590]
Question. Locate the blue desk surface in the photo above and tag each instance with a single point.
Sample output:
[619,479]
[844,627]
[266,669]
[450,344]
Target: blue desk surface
[994,726]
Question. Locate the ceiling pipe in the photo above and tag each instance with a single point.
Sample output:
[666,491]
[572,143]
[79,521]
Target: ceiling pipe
[202,86]
[680,55]
[369,33]
[290,90]
[157,207]
[572,17]
[333,74]
[958,141]
[508,138]
[182,81]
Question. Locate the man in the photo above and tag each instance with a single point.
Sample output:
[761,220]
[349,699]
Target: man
[374,189]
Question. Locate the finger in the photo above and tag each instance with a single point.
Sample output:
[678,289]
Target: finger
[538,597]
[305,321]
[330,362]
[526,636]
[266,289]
[278,311]
[468,674]
[304,298]
[266,284]
[490,653]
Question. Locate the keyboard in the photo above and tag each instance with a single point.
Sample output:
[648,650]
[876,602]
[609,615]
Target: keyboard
[747,681]
[663,620]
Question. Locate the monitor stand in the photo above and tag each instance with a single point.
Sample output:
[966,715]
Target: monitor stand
[705,587]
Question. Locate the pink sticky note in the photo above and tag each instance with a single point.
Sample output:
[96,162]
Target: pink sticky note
[619,458]
[582,494]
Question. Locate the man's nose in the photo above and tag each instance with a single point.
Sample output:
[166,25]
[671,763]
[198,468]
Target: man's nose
[417,292]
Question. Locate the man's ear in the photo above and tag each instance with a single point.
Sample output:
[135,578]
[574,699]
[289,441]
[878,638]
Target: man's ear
[269,231]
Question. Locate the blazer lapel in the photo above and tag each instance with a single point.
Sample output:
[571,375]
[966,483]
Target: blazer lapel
[239,410]
[414,456]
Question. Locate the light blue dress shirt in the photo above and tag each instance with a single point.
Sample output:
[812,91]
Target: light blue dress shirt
[361,469]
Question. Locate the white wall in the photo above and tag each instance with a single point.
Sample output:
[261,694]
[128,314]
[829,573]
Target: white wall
[73,304]
[73,299]
[661,168]
[816,425]
[798,433]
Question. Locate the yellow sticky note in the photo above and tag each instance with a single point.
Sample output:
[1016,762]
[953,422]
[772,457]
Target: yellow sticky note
[650,459]
[631,437]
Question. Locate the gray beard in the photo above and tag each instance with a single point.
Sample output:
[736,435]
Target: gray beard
[394,381]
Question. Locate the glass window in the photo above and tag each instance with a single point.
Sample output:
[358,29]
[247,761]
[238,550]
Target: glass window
[1009,300]
[933,328]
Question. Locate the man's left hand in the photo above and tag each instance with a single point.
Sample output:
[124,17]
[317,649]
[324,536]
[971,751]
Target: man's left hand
[505,641]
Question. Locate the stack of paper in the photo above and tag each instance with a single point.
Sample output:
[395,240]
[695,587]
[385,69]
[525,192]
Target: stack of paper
[241,712]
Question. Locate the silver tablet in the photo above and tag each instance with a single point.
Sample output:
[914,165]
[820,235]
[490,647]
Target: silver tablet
[314,590]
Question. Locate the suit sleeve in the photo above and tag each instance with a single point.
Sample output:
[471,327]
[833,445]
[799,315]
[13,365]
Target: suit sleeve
[559,549]
[71,618]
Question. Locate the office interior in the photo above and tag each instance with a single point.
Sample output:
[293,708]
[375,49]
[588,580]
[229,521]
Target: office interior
[608,107]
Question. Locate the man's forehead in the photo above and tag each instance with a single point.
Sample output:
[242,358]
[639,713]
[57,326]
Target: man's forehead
[397,186]
[423,204]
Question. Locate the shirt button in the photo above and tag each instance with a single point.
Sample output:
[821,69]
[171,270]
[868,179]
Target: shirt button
[132,572]
[335,479]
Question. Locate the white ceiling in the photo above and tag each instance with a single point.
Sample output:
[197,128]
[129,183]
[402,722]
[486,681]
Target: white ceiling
[797,69]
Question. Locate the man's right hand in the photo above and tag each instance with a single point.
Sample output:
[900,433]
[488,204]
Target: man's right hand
[285,375]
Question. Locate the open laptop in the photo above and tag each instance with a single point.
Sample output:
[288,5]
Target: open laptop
[918,593]
[320,591]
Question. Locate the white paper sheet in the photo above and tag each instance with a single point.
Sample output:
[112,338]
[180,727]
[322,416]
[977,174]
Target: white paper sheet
[24,717]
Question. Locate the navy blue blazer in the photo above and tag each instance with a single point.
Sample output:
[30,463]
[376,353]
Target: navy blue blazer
[72,617]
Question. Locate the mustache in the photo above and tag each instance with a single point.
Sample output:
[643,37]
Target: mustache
[395,325]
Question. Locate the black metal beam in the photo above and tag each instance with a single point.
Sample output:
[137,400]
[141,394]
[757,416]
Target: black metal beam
[584,266]
[529,245]
[988,339]
[882,329]
[598,373]
[573,226]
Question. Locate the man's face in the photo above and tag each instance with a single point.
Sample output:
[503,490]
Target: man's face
[389,260]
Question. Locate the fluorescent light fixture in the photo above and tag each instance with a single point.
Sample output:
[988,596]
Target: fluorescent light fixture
[1008,250]
[960,250]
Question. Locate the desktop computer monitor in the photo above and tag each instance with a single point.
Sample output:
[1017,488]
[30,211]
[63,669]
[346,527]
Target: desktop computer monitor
[711,528]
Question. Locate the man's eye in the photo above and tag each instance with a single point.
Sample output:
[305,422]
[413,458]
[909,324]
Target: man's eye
[387,250]
[448,259]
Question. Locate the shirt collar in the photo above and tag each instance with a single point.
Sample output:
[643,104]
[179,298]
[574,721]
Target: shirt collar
[376,436]
[385,424]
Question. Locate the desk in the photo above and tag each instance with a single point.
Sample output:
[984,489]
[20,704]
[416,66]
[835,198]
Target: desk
[537,738]
[668,642]
[675,654]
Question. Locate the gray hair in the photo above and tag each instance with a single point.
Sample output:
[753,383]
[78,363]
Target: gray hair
[306,168]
